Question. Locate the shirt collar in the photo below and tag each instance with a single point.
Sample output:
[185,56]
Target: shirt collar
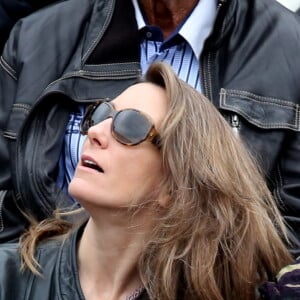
[196,28]
[138,15]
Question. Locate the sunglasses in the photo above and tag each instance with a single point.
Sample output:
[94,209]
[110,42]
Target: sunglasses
[129,126]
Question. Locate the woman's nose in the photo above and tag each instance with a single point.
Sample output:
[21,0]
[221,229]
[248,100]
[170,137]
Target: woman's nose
[100,133]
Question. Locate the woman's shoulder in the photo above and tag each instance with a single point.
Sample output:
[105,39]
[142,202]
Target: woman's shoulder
[10,253]
[26,284]
[286,284]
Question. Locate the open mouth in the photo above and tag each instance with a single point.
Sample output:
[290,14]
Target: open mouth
[90,164]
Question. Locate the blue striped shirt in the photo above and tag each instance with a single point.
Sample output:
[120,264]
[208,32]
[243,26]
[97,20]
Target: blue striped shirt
[181,50]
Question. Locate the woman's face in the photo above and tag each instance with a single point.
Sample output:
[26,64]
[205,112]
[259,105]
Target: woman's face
[128,174]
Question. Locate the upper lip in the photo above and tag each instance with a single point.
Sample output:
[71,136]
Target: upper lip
[89,162]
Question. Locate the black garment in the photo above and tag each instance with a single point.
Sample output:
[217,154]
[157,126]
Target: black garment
[250,69]
[60,274]
[13,10]
[59,280]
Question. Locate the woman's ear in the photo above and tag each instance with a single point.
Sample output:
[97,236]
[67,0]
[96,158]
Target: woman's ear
[164,199]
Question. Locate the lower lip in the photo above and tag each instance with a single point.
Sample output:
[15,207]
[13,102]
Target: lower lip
[87,169]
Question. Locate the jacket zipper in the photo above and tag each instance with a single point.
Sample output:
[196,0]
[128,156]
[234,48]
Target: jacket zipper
[220,4]
[235,123]
[207,78]
[206,63]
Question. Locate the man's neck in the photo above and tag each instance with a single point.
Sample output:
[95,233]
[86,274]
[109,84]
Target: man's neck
[166,14]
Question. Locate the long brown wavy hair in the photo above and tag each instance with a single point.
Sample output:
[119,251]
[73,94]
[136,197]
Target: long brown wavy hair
[220,235]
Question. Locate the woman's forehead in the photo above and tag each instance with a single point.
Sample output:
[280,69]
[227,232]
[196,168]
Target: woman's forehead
[140,95]
[146,97]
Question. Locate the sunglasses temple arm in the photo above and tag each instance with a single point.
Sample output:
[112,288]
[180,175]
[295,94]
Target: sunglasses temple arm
[154,137]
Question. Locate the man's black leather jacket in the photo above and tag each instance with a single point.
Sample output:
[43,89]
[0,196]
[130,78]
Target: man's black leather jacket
[79,51]
[12,10]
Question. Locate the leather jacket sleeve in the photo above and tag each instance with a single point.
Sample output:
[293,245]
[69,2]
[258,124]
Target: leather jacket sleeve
[288,191]
[270,130]
[21,84]
[261,91]
[10,12]
[13,10]
[12,221]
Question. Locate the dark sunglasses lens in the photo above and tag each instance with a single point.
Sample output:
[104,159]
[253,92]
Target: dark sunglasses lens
[99,114]
[131,127]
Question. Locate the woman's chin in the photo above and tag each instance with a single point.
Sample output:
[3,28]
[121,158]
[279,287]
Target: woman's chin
[77,188]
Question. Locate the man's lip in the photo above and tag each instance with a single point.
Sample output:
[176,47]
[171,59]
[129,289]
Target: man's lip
[89,162]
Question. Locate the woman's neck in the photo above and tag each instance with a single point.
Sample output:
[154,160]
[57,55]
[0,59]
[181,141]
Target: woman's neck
[167,14]
[107,259]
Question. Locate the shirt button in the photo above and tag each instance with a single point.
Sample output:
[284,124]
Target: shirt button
[148,34]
